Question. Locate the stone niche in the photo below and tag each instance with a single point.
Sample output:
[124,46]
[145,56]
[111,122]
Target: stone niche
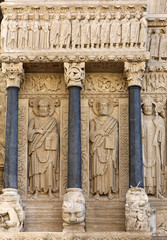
[104,82]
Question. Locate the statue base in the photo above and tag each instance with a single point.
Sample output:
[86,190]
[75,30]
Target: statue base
[73,211]
[11,212]
[137,211]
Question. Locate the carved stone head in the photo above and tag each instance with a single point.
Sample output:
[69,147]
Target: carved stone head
[73,209]
[43,108]
[103,107]
[148,106]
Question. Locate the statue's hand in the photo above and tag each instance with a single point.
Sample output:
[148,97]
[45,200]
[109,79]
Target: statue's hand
[40,131]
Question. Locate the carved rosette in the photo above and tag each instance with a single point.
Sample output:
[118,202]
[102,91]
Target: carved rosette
[134,72]
[74,74]
[73,210]
[12,74]
[137,210]
[11,212]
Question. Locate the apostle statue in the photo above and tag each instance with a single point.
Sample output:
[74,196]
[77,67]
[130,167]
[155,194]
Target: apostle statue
[12,33]
[43,150]
[153,139]
[104,150]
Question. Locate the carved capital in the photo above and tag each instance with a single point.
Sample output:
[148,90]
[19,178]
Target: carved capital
[11,211]
[134,72]
[73,210]
[13,74]
[74,74]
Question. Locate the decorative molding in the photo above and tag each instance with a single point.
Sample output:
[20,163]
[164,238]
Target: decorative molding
[134,72]
[13,74]
[80,56]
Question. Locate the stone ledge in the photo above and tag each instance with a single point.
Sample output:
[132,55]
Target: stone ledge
[75,236]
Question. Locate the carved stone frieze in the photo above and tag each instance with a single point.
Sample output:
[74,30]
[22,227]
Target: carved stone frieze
[13,74]
[11,212]
[74,74]
[161,222]
[73,210]
[30,31]
[137,210]
[134,72]
[155,82]
[47,83]
[105,82]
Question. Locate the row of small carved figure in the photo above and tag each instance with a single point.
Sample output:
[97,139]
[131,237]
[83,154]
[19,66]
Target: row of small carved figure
[90,32]
[157,43]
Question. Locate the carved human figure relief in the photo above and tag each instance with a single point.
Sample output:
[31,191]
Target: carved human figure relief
[137,210]
[163,45]
[115,33]
[149,33]
[153,140]
[65,33]
[105,31]
[76,31]
[96,31]
[143,31]
[103,150]
[12,32]
[86,31]
[55,31]
[154,45]
[135,30]
[43,150]
[4,32]
[23,32]
[44,32]
[36,32]
[126,29]
[30,27]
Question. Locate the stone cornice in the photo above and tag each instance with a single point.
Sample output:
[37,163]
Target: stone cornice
[63,6]
[79,56]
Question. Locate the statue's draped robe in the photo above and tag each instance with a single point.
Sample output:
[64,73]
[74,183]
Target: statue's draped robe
[43,152]
[153,133]
[104,155]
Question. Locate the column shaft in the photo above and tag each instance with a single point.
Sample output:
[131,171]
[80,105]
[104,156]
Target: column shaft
[135,138]
[74,138]
[11,140]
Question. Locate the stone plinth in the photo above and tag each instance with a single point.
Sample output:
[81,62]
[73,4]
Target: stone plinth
[78,236]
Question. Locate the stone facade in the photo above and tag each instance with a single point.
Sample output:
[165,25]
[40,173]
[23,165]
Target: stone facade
[57,55]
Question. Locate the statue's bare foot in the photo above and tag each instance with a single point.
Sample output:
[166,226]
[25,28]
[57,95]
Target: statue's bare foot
[160,196]
[97,196]
[51,196]
[35,196]
[110,196]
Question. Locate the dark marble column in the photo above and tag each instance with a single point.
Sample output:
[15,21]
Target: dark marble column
[135,138]
[11,140]
[12,73]
[74,78]
[74,138]
[134,72]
